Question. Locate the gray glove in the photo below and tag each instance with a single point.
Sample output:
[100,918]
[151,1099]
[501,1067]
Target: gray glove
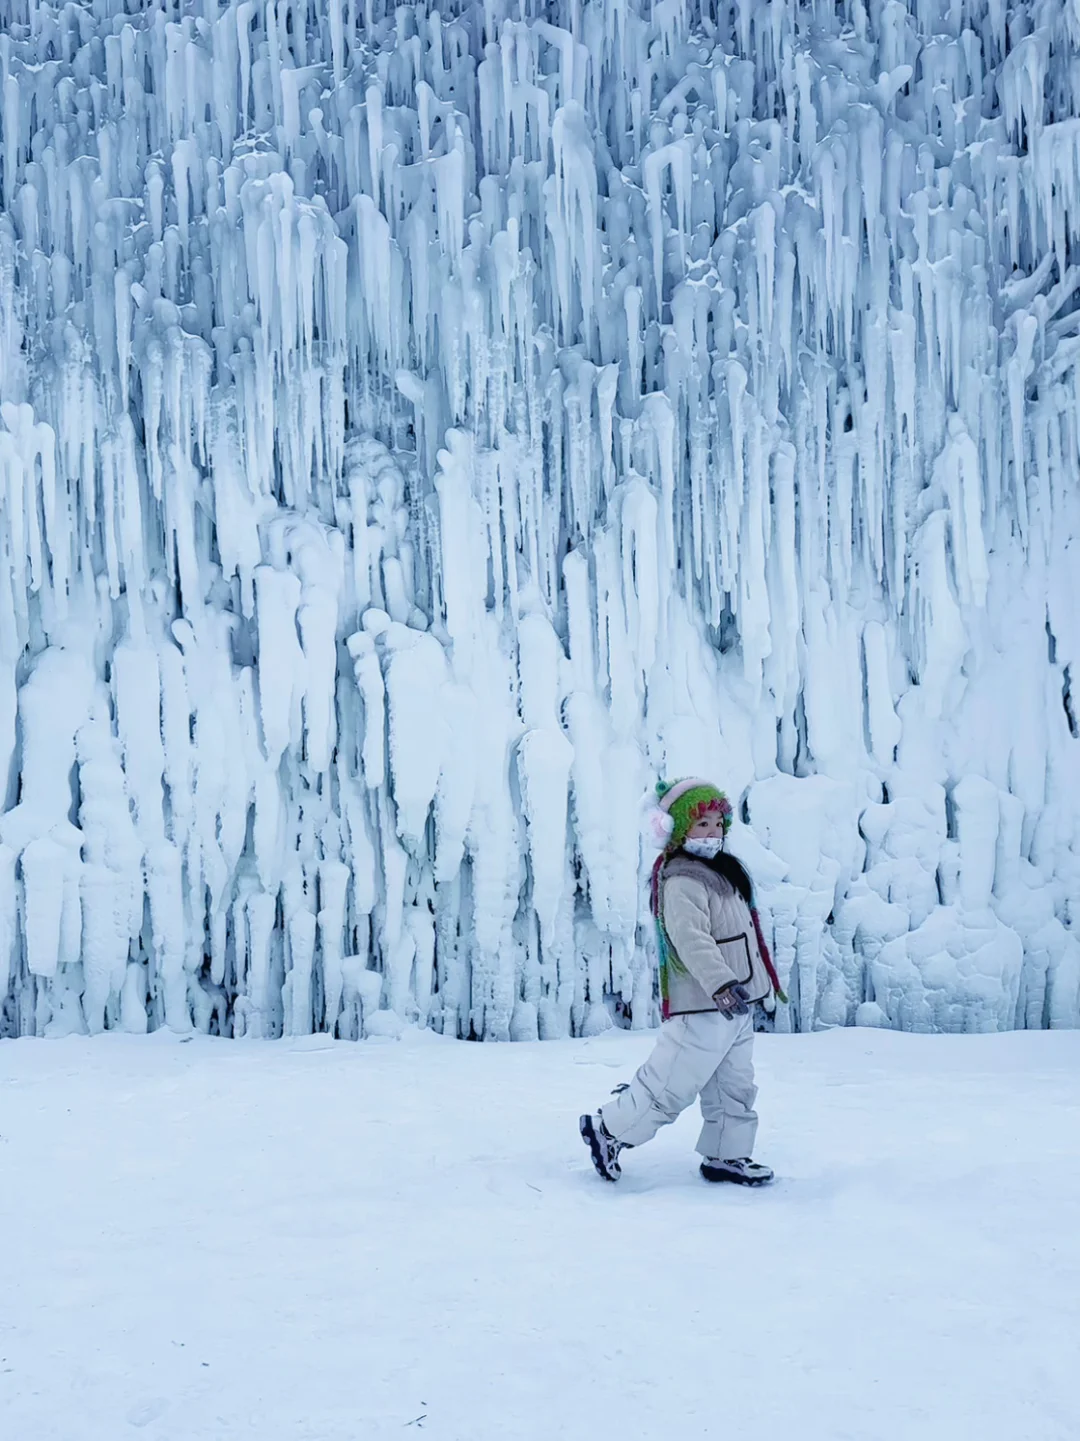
[734,1002]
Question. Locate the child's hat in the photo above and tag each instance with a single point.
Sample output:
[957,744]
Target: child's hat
[680,804]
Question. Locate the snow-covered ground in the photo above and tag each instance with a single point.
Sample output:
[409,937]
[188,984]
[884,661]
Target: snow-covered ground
[320,1241]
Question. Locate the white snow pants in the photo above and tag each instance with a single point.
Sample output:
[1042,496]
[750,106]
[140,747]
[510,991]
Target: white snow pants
[707,1056]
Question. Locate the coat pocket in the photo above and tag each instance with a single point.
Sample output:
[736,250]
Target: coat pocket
[735,952]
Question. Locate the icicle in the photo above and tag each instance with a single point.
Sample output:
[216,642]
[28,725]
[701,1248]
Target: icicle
[725,381]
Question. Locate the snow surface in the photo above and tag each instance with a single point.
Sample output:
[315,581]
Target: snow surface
[420,429]
[318,1241]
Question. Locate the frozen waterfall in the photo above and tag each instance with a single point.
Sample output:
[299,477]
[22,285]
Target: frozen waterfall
[423,426]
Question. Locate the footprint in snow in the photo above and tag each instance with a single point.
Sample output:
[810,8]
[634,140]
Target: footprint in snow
[147,1411]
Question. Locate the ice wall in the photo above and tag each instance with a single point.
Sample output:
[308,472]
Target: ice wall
[420,428]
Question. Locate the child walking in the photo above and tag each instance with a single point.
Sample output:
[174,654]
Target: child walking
[714,965]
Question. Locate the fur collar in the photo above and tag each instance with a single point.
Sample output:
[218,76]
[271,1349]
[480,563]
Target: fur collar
[681,864]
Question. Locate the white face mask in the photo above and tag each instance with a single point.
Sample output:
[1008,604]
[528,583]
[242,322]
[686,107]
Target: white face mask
[705,847]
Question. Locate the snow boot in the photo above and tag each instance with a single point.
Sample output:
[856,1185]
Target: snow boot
[742,1172]
[603,1147]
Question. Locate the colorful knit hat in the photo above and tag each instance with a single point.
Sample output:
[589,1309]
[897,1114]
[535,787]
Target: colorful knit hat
[681,804]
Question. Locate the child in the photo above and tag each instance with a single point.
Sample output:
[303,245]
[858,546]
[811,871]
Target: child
[714,966]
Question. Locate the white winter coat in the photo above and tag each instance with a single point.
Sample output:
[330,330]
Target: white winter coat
[711,931]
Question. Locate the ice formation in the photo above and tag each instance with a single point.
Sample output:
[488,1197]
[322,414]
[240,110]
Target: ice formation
[422,427]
